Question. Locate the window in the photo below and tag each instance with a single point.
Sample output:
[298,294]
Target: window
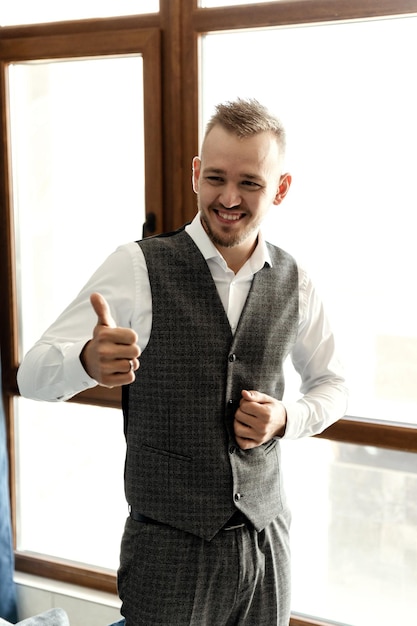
[77,145]
[350,141]
[77,140]
[354,556]
[360,470]
[27,12]
[349,138]
[70,500]
[83,141]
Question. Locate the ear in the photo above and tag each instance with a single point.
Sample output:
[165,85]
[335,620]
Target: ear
[284,185]
[196,173]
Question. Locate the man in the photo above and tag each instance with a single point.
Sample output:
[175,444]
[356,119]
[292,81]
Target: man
[212,311]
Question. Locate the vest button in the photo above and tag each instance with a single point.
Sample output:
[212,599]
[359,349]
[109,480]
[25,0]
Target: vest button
[237,497]
[232,357]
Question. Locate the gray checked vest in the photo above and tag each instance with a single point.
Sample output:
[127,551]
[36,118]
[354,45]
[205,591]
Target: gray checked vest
[183,466]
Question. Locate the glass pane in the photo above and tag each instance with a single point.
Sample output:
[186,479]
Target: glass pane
[14,12]
[353,536]
[349,216]
[78,171]
[78,182]
[70,481]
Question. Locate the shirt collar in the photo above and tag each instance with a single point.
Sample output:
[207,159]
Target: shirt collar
[257,261]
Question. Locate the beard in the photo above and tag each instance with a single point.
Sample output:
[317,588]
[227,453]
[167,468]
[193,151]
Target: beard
[223,238]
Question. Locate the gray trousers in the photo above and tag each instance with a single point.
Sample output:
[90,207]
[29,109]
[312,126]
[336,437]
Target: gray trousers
[171,578]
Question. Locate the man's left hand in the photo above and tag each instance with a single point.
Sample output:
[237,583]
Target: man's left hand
[258,419]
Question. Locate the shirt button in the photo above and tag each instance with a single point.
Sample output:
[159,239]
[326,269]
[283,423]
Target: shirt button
[237,497]
[232,449]
[232,357]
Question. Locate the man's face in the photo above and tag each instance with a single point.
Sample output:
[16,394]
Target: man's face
[236,182]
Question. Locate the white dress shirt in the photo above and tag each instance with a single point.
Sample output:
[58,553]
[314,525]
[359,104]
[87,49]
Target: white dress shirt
[52,370]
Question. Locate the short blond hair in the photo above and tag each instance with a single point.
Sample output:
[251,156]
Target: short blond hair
[245,118]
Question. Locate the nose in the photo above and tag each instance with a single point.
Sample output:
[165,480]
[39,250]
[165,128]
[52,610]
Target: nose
[230,196]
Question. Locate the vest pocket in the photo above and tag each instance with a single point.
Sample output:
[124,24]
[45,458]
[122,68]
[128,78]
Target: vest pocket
[269,446]
[166,453]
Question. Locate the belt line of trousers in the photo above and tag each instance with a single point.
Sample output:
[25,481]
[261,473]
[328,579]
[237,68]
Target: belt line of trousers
[171,578]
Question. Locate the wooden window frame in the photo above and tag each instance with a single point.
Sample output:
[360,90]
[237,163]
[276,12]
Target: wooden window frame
[169,42]
[86,39]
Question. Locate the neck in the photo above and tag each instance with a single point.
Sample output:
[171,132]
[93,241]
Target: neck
[236,256]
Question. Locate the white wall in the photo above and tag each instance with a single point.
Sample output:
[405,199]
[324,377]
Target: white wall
[83,606]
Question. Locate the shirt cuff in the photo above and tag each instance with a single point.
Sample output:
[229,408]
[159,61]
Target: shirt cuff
[297,414]
[75,376]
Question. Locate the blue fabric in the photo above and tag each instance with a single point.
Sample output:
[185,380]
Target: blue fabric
[8,607]
[121,623]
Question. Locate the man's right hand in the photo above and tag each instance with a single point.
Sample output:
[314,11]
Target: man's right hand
[111,357]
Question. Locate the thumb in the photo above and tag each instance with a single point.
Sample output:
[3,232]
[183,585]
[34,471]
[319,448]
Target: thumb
[102,310]
[253,396]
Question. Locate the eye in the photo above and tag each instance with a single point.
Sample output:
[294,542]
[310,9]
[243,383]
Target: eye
[215,180]
[251,185]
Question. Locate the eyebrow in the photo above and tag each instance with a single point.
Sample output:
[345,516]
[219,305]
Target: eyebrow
[219,171]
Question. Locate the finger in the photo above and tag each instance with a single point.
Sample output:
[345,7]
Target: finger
[130,366]
[102,310]
[242,429]
[249,409]
[248,436]
[255,396]
[246,444]
[245,436]
[134,364]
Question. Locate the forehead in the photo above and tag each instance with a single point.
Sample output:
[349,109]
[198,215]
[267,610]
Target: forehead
[223,149]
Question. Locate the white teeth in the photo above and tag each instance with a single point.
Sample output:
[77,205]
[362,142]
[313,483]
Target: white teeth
[228,216]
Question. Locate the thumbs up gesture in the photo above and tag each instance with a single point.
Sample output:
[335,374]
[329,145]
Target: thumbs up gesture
[111,357]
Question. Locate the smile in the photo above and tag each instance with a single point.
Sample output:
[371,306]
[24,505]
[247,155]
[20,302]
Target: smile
[230,217]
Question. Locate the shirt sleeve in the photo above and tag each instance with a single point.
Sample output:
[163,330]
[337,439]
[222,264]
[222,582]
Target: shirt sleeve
[315,358]
[52,369]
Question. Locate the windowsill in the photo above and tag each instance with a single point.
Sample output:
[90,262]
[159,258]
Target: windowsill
[67,589]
